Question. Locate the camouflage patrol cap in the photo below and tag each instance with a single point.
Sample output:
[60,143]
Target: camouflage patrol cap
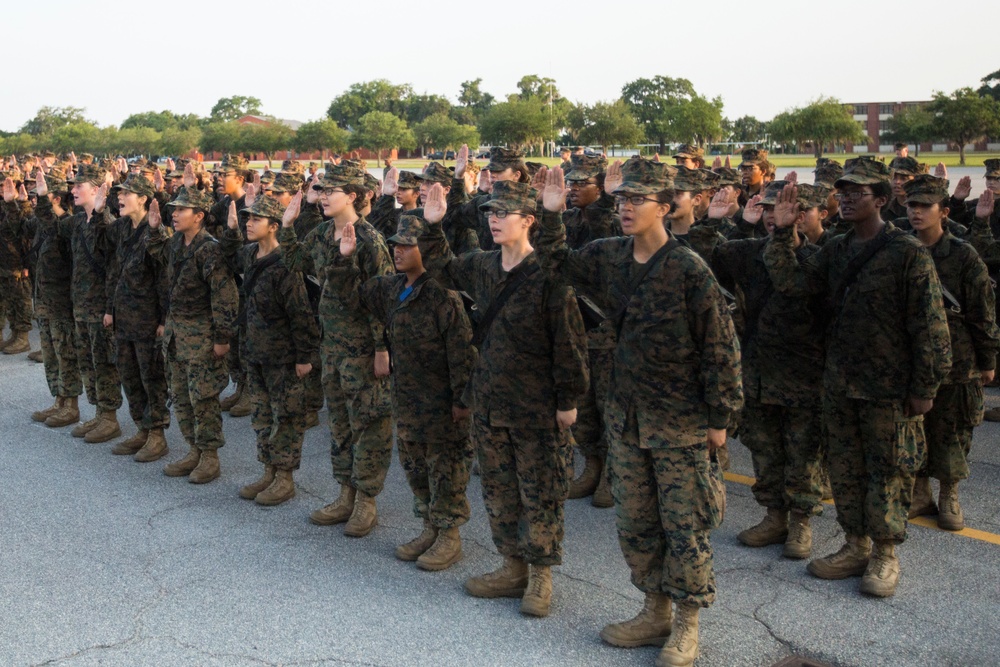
[512,196]
[646,177]
[813,195]
[13,174]
[371,183]
[293,167]
[435,172]
[408,231]
[586,167]
[267,177]
[356,162]
[774,188]
[106,163]
[149,168]
[266,207]
[337,176]
[827,171]
[230,161]
[689,151]
[86,158]
[55,183]
[140,185]
[926,189]
[905,165]
[192,198]
[533,167]
[864,170]
[287,181]
[728,176]
[90,173]
[504,158]
[48,154]
[408,181]
[757,156]
[992,168]
[691,180]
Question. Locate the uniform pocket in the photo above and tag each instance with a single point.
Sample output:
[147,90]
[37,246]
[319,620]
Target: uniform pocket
[209,375]
[910,443]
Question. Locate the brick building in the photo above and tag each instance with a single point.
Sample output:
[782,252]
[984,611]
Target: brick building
[874,120]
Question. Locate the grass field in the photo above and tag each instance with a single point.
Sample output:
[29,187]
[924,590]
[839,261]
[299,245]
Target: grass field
[950,160]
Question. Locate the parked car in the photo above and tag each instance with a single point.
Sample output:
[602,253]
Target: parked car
[436,155]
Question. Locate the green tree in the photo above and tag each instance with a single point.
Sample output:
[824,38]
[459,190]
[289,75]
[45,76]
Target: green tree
[656,103]
[235,107]
[420,107]
[473,98]
[137,141]
[964,117]
[49,119]
[576,121]
[79,136]
[914,125]
[17,144]
[747,130]
[321,135]
[266,138]
[220,137]
[363,98]
[160,120]
[543,90]
[991,86]
[611,124]
[822,122]
[380,131]
[177,141]
[442,132]
[699,120]
[515,123]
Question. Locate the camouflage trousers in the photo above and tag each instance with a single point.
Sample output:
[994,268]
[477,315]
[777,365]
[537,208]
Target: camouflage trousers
[785,444]
[314,398]
[667,502]
[958,408]
[589,428]
[15,303]
[874,452]
[358,407]
[197,377]
[140,365]
[237,369]
[62,372]
[525,481]
[278,417]
[438,473]
[96,356]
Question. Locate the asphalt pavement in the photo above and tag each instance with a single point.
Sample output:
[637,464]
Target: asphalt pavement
[104,561]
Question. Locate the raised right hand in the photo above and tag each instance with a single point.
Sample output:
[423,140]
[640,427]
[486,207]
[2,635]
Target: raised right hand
[189,179]
[752,212]
[292,212]
[461,161]
[40,186]
[963,189]
[984,207]
[436,205]
[613,178]
[348,241]
[154,215]
[9,191]
[233,220]
[390,184]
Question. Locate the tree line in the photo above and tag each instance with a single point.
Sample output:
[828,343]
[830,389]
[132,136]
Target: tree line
[380,116]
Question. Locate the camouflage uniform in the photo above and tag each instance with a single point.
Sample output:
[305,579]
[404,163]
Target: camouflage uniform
[430,339]
[137,298]
[888,340]
[358,402]
[461,237]
[975,340]
[91,254]
[281,332]
[15,286]
[676,373]
[782,357]
[467,211]
[531,365]
[201,312]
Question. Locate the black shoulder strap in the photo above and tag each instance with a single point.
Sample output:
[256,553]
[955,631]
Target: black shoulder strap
[858,262]
[483,328]
[251,276]
[640,275]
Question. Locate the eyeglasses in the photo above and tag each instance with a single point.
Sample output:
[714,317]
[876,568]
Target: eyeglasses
[580,184]
[330,191]
[634,200]
[501,214]
[852,196]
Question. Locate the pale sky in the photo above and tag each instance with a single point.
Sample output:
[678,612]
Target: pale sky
[118,58]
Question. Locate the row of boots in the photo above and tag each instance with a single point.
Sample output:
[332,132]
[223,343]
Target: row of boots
[66,411]
[16,344]
[593,481]
[948,510]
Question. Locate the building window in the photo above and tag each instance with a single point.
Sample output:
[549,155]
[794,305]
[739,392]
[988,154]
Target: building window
[883,125]
[860,109]
[885,108]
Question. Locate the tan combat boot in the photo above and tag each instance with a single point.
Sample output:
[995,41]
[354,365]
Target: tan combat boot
[413,549]
[992,415]
[773,529]
[538,594]
[107,428]
[507,581]
[850,561]
[207,469]
[228,402]
[19,344]
[36,356]
[650,627]
[682,647]
[242,407]
[445,552]
[882,574]
[280,490]
[338,511]
[154,449]
[82,429]
[798,544]
[68,414]
[183,467]
[922,503]
[312,419]
[42,415]
[363,518]
[586,483]
[250,491]
[132,445]
[950,515]
[602,494]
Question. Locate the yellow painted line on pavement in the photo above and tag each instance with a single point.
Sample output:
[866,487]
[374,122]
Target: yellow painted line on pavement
[926,522]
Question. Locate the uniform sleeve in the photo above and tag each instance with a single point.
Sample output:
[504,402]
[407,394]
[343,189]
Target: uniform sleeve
[792,274]
[374,293]
[114,265]
[452,272]
[374,262]
[454,326]
[980,314]
[981,238]
[569,347]
[296,253]
[927,325]
[305,331]
[225,299]
[232,247]
[583,268]
[384,216]
[465,207]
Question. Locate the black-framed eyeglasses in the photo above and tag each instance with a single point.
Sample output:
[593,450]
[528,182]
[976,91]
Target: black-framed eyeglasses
[852,196]
[634,200]
[580,184]
[500,214]
[329,191]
